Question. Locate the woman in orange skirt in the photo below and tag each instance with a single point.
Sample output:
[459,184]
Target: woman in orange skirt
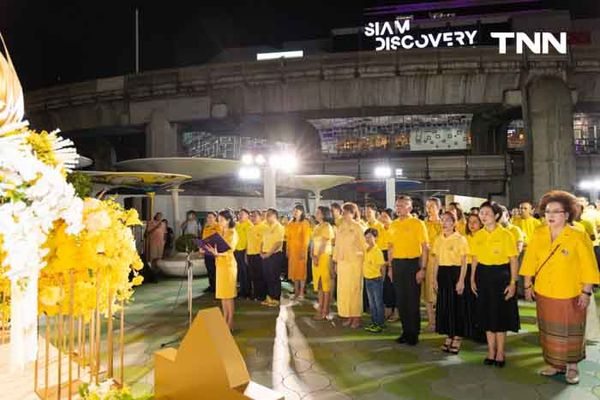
[298,238]
[561,259]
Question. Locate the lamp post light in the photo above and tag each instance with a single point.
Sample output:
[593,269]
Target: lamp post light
[385,172]
[252,164]
[592,186]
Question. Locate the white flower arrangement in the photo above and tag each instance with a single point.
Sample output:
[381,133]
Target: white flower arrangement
[34,194]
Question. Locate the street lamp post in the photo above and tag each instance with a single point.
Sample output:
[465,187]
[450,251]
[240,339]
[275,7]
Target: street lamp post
[251,171]
[385,172]
[593,187]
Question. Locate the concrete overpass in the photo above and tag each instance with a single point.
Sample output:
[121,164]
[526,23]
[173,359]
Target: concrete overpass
[545,90]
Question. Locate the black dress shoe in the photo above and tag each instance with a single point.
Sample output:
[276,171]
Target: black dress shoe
[489,361]
[401,340]
[412,342]
[499,364]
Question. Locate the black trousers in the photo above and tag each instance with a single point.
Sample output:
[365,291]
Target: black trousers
[272,274]
[259,285]
[243,275]
[408,296]
[211,270]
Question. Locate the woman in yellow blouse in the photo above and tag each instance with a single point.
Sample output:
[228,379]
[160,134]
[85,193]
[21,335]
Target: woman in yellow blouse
[297,240]
[473,225]
[348,254]
[494,280]
[226,266]
[449,262]
[461,223]
[210,227]
[562,261]
[433,224]
[321,254]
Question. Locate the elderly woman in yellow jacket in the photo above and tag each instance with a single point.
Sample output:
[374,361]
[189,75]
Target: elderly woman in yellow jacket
[348,253]
[562,261]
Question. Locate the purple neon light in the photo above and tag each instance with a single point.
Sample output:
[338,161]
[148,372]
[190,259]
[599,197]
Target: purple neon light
[439,5]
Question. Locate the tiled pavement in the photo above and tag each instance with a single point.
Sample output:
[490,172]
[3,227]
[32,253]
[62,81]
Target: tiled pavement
[305,359]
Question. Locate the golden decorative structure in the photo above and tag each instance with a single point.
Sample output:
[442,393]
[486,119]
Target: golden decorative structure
[72,341]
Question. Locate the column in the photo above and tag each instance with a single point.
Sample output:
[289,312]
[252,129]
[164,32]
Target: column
[390,192]
[161,136]
[150,205]
[550,155]
[175,203]
[270,187]
[317,200]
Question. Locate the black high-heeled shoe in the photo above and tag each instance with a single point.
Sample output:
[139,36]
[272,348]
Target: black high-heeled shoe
[489,361]
[499,364]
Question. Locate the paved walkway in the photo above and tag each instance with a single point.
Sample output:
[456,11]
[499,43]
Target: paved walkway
[305,359]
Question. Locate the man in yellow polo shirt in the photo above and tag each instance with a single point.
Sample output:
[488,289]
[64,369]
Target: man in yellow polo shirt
[242,226]
[527,222]
[408,250]
[272,257]
[253,259]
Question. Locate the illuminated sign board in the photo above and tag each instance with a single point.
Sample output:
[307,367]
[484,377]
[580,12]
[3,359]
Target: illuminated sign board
[391,36]
[395,35]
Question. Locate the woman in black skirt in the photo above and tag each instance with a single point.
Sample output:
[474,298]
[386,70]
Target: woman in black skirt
[449,261]
[474,332]
[389,296]
[494,282]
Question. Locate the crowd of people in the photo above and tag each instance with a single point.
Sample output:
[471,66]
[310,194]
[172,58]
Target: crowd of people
[467,268]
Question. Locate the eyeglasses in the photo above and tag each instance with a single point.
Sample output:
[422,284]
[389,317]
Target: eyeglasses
[554,212]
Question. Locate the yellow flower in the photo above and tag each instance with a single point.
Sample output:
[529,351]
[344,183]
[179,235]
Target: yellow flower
[50,295]
[137,280]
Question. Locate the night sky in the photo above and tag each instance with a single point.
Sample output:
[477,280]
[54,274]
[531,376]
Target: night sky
[64,41]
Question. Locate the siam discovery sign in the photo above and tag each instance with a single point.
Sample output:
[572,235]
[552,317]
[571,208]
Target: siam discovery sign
[391,36]
[395,35]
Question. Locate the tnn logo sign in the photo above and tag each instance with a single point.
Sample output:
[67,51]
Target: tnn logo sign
[540,44]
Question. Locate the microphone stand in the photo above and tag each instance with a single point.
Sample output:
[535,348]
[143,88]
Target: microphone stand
[190,280]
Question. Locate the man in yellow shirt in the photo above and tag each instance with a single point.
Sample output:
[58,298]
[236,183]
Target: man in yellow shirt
[408,250]
[242,227]
[253,259]
[374,223]
[527,222]
[373,270]
[272,257]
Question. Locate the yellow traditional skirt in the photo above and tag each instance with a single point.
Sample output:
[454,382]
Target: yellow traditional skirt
[349,288]
[226,277]
[297,264]
[321,272]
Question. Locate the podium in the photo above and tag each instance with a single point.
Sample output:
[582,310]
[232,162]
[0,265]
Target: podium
[207,365]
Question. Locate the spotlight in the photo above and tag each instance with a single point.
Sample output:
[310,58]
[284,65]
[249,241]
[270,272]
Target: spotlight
[383,172]
[249,173]
[260,160]
[247,159]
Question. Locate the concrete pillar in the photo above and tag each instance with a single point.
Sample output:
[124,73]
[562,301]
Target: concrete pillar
[550,152]
[161,136]
[175,203]
[390,193]
[270,187]
[317,200]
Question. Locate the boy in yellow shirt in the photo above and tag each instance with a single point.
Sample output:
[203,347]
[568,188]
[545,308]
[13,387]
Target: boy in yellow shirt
[373,271]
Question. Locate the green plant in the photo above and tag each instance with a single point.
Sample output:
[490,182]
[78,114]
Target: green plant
[81,182]
[185,243]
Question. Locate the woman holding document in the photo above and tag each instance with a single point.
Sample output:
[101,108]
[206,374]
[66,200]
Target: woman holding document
[226,266]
